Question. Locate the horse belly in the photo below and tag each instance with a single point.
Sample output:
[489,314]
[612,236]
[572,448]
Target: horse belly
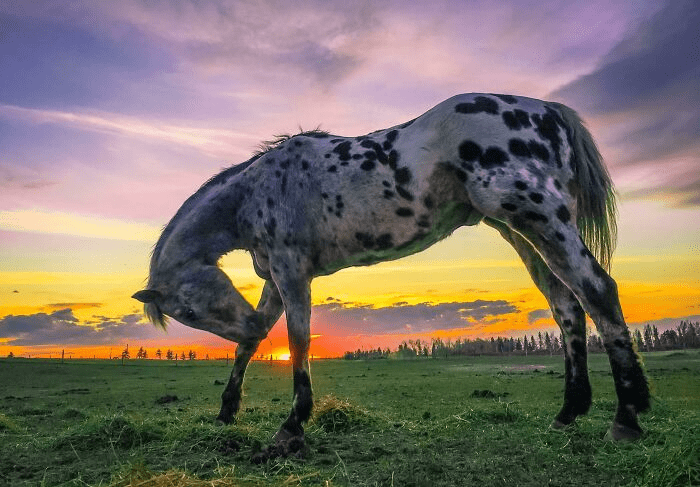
[373,239]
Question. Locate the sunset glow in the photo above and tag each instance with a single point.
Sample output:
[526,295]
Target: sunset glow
[112,114]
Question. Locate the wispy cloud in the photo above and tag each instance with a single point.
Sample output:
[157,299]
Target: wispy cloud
[36,221]
[209,140]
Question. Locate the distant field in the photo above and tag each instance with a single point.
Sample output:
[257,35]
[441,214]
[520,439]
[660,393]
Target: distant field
[386,422]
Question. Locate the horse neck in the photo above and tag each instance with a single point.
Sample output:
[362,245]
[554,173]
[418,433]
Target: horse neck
[204,229]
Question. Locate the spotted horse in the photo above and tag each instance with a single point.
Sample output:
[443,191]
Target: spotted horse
[311,204]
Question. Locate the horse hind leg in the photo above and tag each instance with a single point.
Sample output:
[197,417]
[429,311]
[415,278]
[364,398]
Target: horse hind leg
[570,317]
[558,241]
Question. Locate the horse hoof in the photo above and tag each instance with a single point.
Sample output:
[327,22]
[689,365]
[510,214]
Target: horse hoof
[286,445]
[294,447]
[620,432]
[219,421]
[559,426]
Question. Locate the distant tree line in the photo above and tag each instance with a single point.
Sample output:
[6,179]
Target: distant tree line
[169,354]
[367,354]
[685,335]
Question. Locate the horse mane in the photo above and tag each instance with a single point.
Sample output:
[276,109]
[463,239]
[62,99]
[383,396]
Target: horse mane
[267,145]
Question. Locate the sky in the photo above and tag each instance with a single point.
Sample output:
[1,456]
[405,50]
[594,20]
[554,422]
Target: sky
[113,113]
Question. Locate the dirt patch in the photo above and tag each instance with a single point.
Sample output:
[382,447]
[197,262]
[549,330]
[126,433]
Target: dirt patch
[525,367]
[166,399]
[488,394]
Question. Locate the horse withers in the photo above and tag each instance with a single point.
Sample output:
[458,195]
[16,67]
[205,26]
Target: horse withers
[311,204]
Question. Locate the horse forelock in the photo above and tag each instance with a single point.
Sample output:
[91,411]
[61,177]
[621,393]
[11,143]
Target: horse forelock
[155,315]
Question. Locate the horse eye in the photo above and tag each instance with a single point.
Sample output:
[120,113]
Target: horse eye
[189,314]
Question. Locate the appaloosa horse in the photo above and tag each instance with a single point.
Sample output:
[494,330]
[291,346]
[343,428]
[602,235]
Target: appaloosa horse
[311,204]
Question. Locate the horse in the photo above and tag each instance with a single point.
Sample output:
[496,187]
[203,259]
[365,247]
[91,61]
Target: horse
[310,204]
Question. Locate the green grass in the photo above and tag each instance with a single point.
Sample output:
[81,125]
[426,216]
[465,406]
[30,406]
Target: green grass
[465,421]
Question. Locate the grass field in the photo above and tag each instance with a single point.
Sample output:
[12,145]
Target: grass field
[466,421]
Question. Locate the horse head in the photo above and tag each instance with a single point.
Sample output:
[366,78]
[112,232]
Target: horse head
[202,297]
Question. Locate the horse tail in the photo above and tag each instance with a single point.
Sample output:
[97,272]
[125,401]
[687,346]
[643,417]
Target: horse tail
[596,200]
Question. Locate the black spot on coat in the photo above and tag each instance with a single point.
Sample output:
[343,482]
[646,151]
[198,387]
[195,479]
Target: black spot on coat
[367,165]
[402,175]
[536,217]
[343,150]
[536,197]
[493,157]
[563,214]
[403,211]
[365,239]
[516,119]
[407,195]
[519,148]
[481,104]
[509,99]
[538,150]
[384,241]
[469,151]
[547,127]
[393,159]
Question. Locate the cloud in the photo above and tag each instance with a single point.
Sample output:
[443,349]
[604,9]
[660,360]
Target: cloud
[316,38]
[344,318]
[538,314]
[646,92]
[62,328]
[73,306]
[208,140]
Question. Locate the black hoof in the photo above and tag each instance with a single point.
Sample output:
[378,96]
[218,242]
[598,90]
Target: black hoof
[285,446]
[559,425]
[223,422]
[620,432]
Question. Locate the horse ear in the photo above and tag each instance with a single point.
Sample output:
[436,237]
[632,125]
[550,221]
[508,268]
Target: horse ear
[147,295]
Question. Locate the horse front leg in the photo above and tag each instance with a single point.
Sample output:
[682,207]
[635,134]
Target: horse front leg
[269,310]
[296,295]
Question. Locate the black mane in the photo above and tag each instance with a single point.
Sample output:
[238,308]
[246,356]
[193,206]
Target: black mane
[267,145]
